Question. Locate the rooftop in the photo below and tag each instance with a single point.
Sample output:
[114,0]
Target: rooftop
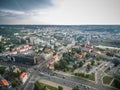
[4,82]
[22,75]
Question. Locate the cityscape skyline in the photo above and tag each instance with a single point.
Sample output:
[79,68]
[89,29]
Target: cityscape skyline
[60,57]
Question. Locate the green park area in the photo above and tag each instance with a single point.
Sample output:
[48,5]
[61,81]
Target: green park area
[86,76]
[116,83]
[42,86]
[107,80]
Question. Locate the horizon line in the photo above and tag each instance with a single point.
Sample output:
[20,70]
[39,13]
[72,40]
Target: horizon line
[60,24]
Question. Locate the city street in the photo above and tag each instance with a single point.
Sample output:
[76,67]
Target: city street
[44,73]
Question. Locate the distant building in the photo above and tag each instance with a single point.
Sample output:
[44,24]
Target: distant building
[16,34]
[0,38]
[31,40]
[22,41]
[21,49]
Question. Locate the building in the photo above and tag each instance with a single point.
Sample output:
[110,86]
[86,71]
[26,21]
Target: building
[23,77]
[56,58]
[21,49]
[47,56]
[0,38]
[116,61]
[50,63]
[14,52]
[82,55]
[31,40]
[24,59]
[4,84]
[117,73]
[16,70]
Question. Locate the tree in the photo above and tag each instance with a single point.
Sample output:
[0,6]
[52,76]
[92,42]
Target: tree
[38,86]
[75,66]
[57,66]
[60,88]
[2,70]
[87,55]
[92,62]
[10,48]
[15,83]
[88,67]
[98,63]
[54,53]
[45,88]
[23,70]
[98,57]
[76,88]
[109,54]
[80,64]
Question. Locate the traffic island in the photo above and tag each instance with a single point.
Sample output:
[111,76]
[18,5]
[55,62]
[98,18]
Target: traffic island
[88,77]
[111,82]
[116,84]
[107,80]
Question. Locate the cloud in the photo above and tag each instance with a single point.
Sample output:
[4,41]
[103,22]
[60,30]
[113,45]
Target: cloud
[10,12]
[60,11]
[85,12]
[21,10]
[24,5]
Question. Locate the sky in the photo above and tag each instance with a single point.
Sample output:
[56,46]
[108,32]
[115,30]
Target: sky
[60,12]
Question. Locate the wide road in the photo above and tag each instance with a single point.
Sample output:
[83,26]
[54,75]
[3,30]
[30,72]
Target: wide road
[47,74]
[72,82]
[43,72]
[28,85]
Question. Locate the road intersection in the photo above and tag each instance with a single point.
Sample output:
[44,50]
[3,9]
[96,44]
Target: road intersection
[43,73]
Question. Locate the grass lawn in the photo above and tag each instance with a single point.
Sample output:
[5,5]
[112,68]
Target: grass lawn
[107,79]
[85,76]
[2,69]
[91,77]
[48,86]
[116,83]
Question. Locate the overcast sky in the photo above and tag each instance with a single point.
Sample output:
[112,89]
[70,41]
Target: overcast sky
[66,12]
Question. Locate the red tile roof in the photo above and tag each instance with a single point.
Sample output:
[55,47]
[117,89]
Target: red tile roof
[55,56]
[4,83]
[22,75]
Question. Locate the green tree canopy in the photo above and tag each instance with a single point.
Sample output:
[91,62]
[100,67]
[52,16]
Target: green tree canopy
[76,88]
[60,88]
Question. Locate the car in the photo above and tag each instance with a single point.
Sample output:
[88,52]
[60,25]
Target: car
[82,84]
